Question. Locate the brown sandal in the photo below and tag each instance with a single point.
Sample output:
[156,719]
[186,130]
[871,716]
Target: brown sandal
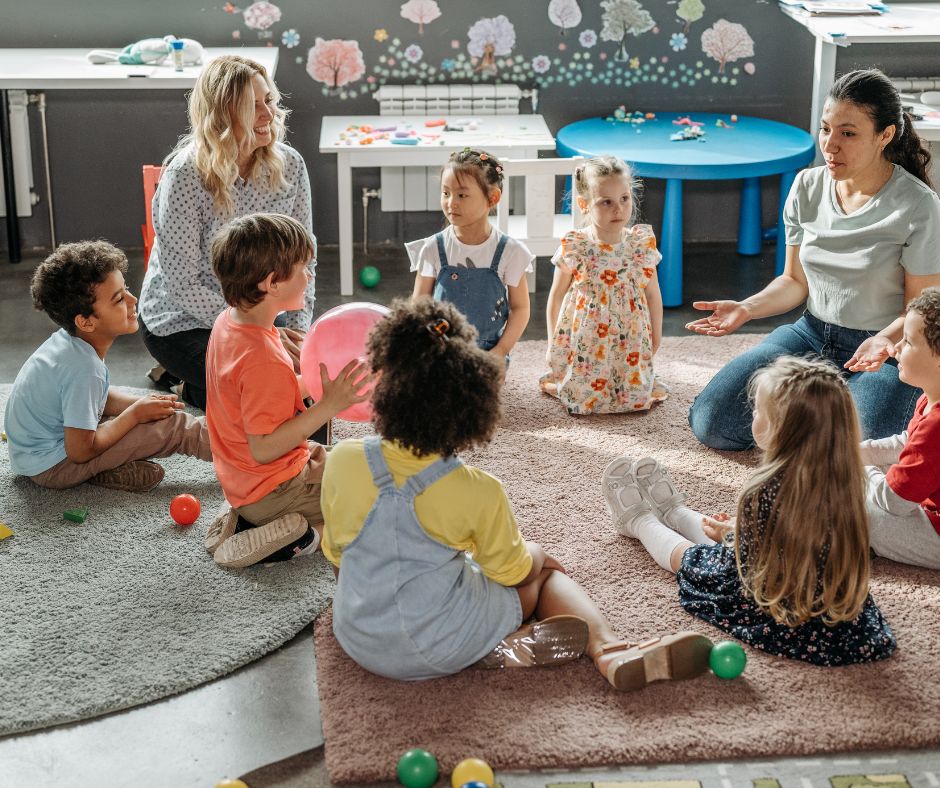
[627,667]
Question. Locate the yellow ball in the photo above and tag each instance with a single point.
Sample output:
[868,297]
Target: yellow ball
[231,784]
[472,770]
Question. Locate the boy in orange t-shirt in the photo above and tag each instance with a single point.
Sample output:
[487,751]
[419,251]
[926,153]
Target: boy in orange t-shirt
[258,424]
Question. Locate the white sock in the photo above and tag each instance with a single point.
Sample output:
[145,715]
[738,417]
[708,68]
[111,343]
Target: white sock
[688,523]
[659,540]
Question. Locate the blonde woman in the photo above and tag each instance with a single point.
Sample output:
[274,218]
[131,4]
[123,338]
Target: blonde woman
[232,162]
[795,580]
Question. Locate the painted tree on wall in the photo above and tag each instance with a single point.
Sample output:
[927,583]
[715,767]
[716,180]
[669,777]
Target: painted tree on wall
[489,38]
[564,14]
[420,12]
[690,11]
[622,18]
[335,62]
[727,41]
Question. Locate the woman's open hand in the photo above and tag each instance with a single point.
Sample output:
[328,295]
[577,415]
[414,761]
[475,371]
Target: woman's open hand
[726,316]
[871,354]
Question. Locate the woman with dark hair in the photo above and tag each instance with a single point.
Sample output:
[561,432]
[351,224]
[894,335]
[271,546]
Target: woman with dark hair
[231,163]
[863,238]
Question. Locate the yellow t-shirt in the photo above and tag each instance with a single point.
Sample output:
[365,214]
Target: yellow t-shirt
[467,509]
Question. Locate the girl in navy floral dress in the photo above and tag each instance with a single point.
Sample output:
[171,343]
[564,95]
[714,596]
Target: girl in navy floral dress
[791,575]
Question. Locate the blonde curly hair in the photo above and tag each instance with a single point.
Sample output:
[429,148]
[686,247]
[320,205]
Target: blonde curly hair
[222,95]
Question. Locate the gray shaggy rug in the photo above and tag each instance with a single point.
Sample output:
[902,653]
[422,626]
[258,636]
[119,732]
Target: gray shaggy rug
[129,607]
[568,717]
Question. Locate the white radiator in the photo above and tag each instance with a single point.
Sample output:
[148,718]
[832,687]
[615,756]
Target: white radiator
[419,188]
[22,156]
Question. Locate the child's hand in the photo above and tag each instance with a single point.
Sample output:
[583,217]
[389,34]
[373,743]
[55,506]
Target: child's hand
[553,563]
[154,407]
[718,526]
[348,387]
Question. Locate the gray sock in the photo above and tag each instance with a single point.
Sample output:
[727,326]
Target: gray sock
[659,540]
[688,523]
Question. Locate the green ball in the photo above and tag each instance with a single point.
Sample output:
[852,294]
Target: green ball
[369,276]
[727,659]
[417,769]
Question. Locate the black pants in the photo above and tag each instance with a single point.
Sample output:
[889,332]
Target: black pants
[183,354]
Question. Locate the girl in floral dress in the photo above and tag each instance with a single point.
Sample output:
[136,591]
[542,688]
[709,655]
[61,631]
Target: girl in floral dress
[605,311]
[791,576]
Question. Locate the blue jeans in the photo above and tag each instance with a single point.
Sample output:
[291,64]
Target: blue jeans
[720,417]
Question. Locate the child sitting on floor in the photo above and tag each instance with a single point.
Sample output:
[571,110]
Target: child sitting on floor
[433,573]
[65,424]
[258,422]
[795,582]
[903,512]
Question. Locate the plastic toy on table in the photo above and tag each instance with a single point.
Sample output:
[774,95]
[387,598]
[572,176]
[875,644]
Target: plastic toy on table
[150,52]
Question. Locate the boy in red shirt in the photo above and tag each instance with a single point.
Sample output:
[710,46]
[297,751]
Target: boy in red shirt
[903,502]
[258,424]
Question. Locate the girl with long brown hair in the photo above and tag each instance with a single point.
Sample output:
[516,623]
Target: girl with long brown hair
[790,576]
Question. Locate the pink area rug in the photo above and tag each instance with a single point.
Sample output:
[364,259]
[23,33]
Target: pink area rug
[566,717]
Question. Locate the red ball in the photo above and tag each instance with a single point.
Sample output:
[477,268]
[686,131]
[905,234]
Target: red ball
[184,509]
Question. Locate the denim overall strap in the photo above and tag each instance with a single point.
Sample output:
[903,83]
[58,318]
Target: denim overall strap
[441,252]
[498,254]
[425,478]
[381,475]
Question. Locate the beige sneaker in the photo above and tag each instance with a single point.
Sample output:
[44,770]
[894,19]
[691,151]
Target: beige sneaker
[255,544]
[134,476]
[222,527]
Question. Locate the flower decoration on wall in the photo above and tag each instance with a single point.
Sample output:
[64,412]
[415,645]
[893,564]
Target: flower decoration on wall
[564,14]
[448,64]
[490,37]
[726,42]
[290,38]
[541,64]
[623,18]
[587,38]
[414,53]
[690,11]
[335,62]
[420,12]
[261,15]
[380,35]
[678,42]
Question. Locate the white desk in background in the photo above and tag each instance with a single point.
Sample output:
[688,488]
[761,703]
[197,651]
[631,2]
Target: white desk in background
[505,136]
[69,69]
[901,24]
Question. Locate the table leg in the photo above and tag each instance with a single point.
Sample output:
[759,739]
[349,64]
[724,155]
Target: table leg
[786,181]
[345,207]
[670,269]
[824,74]
[749,229]
[9,183]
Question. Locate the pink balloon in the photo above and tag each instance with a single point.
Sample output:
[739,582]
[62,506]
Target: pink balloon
[336,338]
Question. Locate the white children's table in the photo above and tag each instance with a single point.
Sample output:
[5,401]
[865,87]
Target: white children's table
[505,136]
[69,69]
[902,24]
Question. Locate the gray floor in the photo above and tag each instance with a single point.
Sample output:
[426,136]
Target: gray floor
[262,722]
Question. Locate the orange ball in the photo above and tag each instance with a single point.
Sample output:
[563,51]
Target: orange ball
[184,509]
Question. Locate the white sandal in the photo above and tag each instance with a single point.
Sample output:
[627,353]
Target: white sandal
[656,486]
[625,500]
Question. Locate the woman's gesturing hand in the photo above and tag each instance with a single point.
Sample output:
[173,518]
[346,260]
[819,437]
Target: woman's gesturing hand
[726,316]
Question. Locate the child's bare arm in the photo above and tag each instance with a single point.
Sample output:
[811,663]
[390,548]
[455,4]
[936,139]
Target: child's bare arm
[84,445]
[424,285]
[346,389]
[518,318]
[654,299]
[561,281]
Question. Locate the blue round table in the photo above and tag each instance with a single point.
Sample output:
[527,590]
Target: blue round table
[749,149]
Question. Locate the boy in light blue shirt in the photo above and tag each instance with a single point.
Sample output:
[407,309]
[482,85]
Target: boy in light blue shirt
[65,424]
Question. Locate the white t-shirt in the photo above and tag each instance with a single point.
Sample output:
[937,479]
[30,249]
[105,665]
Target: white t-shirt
[855,263]
[513,265]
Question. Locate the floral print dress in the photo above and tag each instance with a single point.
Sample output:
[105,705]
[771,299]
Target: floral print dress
[601,354]
[709,588]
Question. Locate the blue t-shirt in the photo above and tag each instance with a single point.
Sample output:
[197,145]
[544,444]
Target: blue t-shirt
[63,384]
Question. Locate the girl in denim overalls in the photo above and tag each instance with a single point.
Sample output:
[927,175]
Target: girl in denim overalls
[433,573]
[473,265]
